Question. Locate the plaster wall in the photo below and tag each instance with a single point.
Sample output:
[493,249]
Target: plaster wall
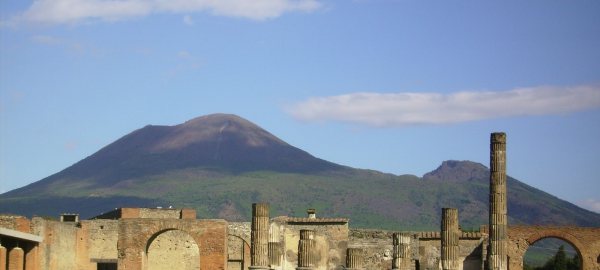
[330,250]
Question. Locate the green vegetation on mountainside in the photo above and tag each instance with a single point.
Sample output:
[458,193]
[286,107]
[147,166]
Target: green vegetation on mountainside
[220,164]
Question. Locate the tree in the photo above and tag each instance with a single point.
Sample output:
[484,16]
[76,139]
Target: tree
[559,262]
[560,259]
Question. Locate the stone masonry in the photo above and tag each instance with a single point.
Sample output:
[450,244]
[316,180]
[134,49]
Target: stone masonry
[260,236]
[450,237]
[306,245]
[497,253]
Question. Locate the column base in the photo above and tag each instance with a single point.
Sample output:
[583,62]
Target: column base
[258,268]
[305,268]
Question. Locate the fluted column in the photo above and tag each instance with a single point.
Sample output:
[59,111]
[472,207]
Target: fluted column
[2,257]
[16,259]
[259,250]
[401,257]
[306,247]
[275,247]
[450,237]
[354,259]
[497,249]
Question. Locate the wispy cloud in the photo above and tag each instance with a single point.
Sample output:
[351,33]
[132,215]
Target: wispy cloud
[404,109]
[590,204]
[74,11]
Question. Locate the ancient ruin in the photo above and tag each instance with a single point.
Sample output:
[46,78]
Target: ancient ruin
[174,239]
[496,258]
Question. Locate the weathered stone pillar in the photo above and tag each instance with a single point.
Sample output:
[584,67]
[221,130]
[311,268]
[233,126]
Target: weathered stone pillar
[497,249]
[259,250]
[275,247]
[354,259]
[275,255]
[31,258]
[450,237]
[16,259]
[2,257]
[306,245]
[401,257]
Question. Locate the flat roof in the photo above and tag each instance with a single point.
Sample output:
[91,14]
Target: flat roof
[21,235]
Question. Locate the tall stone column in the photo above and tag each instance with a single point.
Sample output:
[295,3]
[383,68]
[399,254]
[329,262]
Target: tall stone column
[259,236]
[2,257]
[306,245]
[401,258]
[450,237]
[354,259]
[16,259]
[497,249]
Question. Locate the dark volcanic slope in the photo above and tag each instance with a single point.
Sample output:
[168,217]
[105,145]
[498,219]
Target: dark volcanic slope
[219,141]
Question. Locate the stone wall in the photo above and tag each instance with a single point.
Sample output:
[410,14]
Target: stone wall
[238,245]
[102,237]
[173,249]
[377,247]
[331,240]
[60,249]
[17,223]
[159,213]
[135,235]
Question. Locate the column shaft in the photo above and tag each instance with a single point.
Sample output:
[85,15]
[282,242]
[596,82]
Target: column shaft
[31,259]
[497,246]
[2,258]
[354,259]
[401,257]
[306,247]
[450,238]
[259,236]
[15,259]
[275,254]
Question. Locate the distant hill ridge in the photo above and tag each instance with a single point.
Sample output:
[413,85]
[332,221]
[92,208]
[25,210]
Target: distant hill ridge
[220,164]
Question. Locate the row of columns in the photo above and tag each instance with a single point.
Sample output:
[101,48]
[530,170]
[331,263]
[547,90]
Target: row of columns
[263,245]
[16,259]
[450,231]
[265,249]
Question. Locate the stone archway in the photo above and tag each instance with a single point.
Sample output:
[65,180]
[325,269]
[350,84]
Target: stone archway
[174,250]
[136,237]
[238,253]
[570,251]
[586,241]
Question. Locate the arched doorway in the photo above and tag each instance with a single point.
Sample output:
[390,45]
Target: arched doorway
[173,250]
[552,253]
[238,253]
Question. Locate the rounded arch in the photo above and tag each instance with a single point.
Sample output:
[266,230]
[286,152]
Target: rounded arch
[172,249]
[238,252]
[569,239]
[559,235]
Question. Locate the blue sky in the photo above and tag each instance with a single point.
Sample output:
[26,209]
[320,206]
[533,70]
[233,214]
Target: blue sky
[395,86]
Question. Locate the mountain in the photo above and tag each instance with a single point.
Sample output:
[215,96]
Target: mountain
[220,164]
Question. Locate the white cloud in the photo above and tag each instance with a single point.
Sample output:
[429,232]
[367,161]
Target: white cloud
[70,45]
[590,204]
[403,109]
[73,11]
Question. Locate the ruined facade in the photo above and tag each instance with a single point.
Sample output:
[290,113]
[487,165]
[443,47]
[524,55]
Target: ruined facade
[173,239]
